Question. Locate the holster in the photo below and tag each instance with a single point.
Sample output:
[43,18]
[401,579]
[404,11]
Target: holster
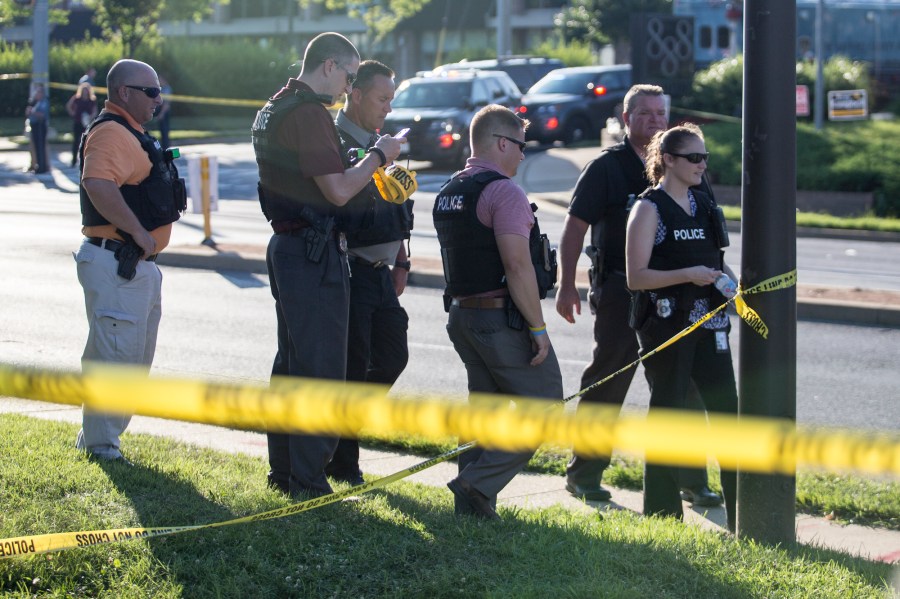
[128,255]
[639,310]
[514,318]
[596,275]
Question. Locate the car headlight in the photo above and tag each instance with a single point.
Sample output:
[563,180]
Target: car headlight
[445,126]
[547,110]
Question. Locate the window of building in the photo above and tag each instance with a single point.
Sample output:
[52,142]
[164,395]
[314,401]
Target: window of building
[705,36]
[723,37]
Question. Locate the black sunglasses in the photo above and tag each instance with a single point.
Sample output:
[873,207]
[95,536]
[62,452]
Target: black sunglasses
[521,144]
[351,77]
[693,157]
[151,92]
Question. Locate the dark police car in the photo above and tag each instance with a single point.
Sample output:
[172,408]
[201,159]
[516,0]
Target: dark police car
[572,104]
[438,109]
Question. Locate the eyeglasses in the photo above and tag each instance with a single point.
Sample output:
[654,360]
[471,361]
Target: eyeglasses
[351,77]
[521,144]
[151,92]
[693,157]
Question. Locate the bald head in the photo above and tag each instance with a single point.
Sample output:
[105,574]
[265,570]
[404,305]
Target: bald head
[122,82]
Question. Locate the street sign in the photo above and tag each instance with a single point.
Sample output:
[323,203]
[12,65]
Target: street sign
[849,104]
[802,100]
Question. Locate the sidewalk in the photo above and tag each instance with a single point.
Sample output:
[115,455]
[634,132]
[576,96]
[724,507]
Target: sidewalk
[528,491]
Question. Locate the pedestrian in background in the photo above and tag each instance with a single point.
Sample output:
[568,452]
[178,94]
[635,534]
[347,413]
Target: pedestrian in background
[303,182]
[38,115]
[487,230]
[377,350]
[603,194]
[88,76]
[130,196]
[82,107]
[674,255]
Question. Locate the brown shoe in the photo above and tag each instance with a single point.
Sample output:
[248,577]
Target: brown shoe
[468,496]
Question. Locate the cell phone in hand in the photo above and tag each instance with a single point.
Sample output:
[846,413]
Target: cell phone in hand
[402,133]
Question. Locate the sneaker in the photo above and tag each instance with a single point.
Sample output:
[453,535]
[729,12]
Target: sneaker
[702,497]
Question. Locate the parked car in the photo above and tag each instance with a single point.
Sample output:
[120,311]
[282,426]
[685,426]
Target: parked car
[523,70]
[573,104]
[437,110]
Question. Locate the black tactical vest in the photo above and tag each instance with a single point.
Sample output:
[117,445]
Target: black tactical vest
[689,241]
[157,200]
[368,219]
[283,190]
[469,251]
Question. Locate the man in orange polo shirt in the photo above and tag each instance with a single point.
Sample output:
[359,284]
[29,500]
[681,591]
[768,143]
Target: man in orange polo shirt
[130,196]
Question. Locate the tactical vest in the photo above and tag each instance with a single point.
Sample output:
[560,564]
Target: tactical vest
[367,219]
[689,241]
[283,190]
[469,251]
[157,200]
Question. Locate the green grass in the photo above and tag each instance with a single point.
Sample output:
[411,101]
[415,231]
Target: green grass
[846,497]
[827,221]
[402,541]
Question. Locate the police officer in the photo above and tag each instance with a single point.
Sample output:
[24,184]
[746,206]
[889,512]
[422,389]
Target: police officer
[673,256]
[487,231]
[601,199]
[130,196]
[303,180]
[376,350]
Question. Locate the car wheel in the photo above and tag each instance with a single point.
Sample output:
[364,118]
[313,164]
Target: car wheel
[577,130]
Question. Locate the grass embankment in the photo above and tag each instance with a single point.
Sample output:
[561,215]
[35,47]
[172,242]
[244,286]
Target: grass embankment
[402,541]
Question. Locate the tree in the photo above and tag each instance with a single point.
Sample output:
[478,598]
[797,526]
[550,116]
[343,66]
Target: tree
[135,21]
[381,17]
[603,21]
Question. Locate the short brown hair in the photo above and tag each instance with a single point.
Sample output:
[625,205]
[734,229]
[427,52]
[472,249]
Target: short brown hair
[328,45]
[367,71]
[491,119]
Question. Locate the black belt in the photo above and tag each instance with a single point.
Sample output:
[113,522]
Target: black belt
[113,245]
[364,262]
[480,303]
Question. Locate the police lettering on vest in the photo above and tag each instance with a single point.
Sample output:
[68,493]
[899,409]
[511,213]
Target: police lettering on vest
[689,234]
[469,251]
[157,200]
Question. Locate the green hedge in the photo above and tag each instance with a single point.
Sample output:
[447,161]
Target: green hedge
[230,69]
[719,88]
[844,156]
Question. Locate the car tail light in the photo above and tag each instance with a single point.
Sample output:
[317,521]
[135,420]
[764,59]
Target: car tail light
[445,140]
[600,90]
[522,109]
[552,122]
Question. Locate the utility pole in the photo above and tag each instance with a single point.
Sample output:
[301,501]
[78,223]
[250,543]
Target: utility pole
[768,367]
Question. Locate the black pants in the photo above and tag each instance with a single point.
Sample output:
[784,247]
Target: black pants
[615,346]
[311,306]
[377,350]
[669,373]
[77,131]
[39,137]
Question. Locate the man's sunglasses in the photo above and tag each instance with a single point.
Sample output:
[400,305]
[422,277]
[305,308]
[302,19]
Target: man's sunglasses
[351,77]
[151,92]
[521,144]
[693,157]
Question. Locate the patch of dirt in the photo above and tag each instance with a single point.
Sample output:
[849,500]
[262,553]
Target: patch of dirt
[850,294]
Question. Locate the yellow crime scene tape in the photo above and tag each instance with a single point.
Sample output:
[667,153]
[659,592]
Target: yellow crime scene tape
[338,408]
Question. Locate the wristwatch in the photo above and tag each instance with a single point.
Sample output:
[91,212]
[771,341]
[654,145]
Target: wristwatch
[404,265]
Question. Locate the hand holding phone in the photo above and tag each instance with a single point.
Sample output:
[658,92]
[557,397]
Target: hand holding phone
[402,133]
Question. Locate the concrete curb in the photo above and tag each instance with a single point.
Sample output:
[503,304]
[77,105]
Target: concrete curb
[426,273]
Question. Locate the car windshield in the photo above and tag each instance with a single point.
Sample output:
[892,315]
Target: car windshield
[434,94]
[563,83]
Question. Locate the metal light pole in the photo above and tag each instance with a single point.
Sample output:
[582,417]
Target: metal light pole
[40,45]
[504,32]
[768,367]
[819,107]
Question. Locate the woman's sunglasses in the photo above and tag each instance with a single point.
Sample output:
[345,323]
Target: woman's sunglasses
[693,157]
